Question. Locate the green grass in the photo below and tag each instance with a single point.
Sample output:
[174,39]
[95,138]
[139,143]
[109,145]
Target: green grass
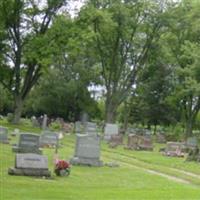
[126,182]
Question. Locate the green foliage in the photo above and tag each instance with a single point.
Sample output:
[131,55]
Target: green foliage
[56,126]
[61,97]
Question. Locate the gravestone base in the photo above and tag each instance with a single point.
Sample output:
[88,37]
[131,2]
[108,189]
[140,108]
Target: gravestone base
[17,149]
[86,161]
[5,142]
[131,147]
[29,172]
[145,148]
[50,146]
[29,164]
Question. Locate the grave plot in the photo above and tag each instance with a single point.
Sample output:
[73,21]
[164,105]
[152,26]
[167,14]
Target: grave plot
[30,165]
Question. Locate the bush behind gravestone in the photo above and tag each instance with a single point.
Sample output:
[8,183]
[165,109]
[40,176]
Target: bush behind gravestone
[175,133]
[55,126]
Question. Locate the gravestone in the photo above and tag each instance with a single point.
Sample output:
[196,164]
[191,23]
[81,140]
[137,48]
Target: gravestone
[138,142]
[90,128]
[29,164]
[44,122]
[116,140]
[35,122]
[87,151]
[174,149]
[110,129]
[191,143]
[133,140]
[48,139]
[78,127]
[28,143]
[160,138]
[84,118]
[4,135]
[145,143]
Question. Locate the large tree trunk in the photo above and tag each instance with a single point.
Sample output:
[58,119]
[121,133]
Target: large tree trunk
[126,116]
[18,109]
[110,112]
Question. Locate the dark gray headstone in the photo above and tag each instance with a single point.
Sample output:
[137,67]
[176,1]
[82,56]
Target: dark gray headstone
[28,143]
[110,129]
[49,139]
[84,118]
[87,151]
[30,165]
[3,135]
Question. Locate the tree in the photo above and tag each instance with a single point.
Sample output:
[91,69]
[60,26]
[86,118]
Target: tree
[26,48]
[63,96]
[123,32]
[183,46]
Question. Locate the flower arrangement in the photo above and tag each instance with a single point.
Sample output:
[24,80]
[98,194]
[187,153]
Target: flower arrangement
[62,168]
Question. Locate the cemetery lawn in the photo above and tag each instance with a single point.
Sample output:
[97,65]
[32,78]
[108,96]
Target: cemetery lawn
[141,175]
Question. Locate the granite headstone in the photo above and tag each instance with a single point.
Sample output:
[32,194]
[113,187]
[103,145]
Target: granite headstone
[110,129]
[48,139]
[87,151]
[28,143]
[29,164]
[4,135]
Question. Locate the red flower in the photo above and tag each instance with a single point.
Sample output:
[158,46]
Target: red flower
[62,164]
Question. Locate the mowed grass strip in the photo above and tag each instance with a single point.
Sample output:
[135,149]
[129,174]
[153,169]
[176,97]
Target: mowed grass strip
[85,183]
[128,157]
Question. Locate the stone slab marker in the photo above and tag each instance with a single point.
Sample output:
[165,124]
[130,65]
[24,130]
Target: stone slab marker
[174,149]
[78,127]
[90,128]
[133,140]
[44,122]
[87,151]
[28,143]
[48,139]
[4,135]
[116,140]
[30,165]
[110,129]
